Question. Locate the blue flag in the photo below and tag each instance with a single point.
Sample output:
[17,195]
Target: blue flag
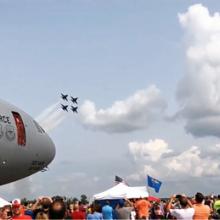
[154,183]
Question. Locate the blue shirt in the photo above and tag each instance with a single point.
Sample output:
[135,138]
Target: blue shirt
[95,216]
[107,212]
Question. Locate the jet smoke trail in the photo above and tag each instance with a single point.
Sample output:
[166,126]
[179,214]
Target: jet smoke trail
[51,117]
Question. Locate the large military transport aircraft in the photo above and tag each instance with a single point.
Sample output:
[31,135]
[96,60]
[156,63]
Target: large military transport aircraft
[25,148]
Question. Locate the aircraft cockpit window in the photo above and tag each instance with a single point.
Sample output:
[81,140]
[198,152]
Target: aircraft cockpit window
[39,128]
[21,134]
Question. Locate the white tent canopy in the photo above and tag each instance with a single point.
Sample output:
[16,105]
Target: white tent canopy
[3,202]
[122,191]
[137,192]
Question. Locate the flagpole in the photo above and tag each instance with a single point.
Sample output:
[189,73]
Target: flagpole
[148,187]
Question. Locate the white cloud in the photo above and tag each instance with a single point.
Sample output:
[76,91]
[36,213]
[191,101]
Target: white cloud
[198,92]
[152,150]
[134,113]
[193,162]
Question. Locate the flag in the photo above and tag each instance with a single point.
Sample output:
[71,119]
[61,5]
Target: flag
[154,183]
[118,179]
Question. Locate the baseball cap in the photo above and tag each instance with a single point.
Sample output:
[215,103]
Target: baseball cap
[16,203]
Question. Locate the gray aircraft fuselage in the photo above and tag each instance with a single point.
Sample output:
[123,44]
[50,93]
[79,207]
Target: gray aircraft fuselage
[25,148]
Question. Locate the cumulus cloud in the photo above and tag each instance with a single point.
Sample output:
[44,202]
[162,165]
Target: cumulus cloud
[190,161]
[198,91]
[134,113]
[153,150]
[193,162]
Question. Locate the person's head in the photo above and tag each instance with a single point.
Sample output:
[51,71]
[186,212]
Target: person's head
[45,202]
[157,210]
[208,202]
[6,212]
[41,216]
[71,206]
[29,205]
[57,210]
[16,207]
[76,207]
[183,202]
[97,207]
[121,203]
[199,197]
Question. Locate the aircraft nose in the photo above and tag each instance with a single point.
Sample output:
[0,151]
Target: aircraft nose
[51,150]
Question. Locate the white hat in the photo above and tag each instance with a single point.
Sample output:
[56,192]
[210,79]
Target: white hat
[16,203]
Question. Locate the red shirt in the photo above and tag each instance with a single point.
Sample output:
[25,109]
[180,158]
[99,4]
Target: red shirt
[78,215]
[25,217]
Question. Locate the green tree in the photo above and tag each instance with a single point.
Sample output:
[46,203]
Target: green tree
[83,199]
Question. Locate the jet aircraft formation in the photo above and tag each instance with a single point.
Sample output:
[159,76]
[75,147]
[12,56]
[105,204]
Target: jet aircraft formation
[74,100]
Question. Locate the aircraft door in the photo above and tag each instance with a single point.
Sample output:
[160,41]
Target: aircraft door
[21,134]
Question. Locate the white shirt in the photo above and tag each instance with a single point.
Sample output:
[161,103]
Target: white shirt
[186,214]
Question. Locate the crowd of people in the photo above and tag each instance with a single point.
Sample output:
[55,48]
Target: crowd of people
[199,207]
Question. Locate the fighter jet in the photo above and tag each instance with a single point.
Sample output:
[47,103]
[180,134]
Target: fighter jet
[74,109]
[74,100]
[64,107]
[64,97]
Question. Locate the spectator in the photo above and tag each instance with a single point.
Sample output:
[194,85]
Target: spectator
[123,209]
[77,213]
[42,206]
[156,212]
[107,211]
[41,216]
[142,208]
[217,204]
[28,210]
[94,213]
[202,212]
[17,211]
[185,211]
[57,209]
[70,209]
[6,213]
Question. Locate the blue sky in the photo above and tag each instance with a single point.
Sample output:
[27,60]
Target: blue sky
[109,51]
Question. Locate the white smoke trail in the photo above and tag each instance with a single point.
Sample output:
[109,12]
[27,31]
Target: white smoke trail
[51,117]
